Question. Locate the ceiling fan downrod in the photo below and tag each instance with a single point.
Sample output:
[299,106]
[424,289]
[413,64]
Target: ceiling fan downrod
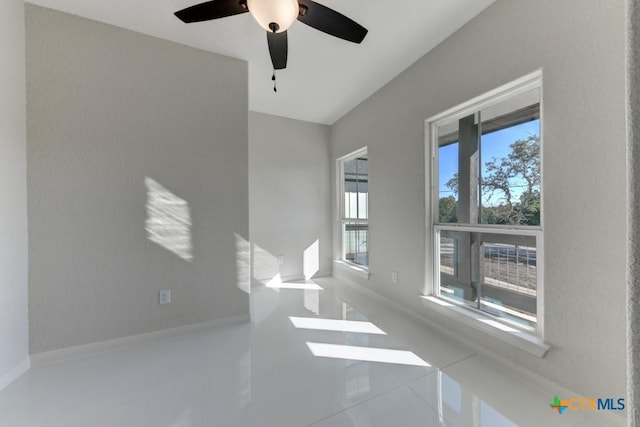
[274,27]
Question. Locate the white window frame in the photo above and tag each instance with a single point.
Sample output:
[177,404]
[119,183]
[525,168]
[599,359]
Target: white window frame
[525,338]
[341,207]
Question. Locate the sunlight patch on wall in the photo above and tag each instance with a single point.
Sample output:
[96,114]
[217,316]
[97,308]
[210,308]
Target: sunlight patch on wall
[265,265]
[311,260]
[243,264]
[168,221]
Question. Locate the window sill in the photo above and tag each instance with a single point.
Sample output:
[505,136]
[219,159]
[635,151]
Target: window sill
[352,268]
[525,341]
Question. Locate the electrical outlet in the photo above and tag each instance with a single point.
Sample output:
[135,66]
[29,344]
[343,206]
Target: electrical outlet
[280,259]
[164,297]
[394,276]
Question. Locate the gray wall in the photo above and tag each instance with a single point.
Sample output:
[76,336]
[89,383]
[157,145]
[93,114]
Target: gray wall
[109,109]
[579,44]
[288,194]
[13,189]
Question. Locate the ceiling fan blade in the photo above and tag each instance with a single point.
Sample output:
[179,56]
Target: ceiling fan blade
[213,9]
[331,22]
[278,48]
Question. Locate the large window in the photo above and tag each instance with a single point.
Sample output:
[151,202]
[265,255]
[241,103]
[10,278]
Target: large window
[354,179]
[487,204]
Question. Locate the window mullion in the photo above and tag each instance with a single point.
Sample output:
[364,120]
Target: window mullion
[357,189]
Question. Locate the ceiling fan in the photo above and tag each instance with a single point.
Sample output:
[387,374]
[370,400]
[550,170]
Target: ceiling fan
[276,16]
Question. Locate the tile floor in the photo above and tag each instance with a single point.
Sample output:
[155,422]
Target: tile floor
[322,356]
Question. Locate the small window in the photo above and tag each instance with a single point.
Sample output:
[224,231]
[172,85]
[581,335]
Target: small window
[354,179]
[487,204]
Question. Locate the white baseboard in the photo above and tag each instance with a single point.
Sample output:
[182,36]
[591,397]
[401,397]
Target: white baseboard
[322,273]
[14,373]
[513,369]
[351,272]
[53,356]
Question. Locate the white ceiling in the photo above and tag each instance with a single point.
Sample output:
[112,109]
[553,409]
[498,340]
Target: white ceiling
[325,77]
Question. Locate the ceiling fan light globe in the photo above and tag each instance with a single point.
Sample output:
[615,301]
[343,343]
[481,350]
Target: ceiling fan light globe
[281,12]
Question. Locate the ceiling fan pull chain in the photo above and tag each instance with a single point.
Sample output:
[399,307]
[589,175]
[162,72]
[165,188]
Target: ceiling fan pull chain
[273,77]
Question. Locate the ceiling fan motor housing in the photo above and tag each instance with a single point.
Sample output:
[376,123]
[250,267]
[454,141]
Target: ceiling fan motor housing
[282,13]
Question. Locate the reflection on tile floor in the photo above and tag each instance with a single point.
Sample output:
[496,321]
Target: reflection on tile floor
[320,355]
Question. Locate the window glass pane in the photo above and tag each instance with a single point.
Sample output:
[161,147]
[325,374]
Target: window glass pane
[448,183]
[506,109]
[455,267]
[356,188]
[495,272]
[355,228]
[509,277]
[448,148]
[448,264]
[510,162]
[355,247]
